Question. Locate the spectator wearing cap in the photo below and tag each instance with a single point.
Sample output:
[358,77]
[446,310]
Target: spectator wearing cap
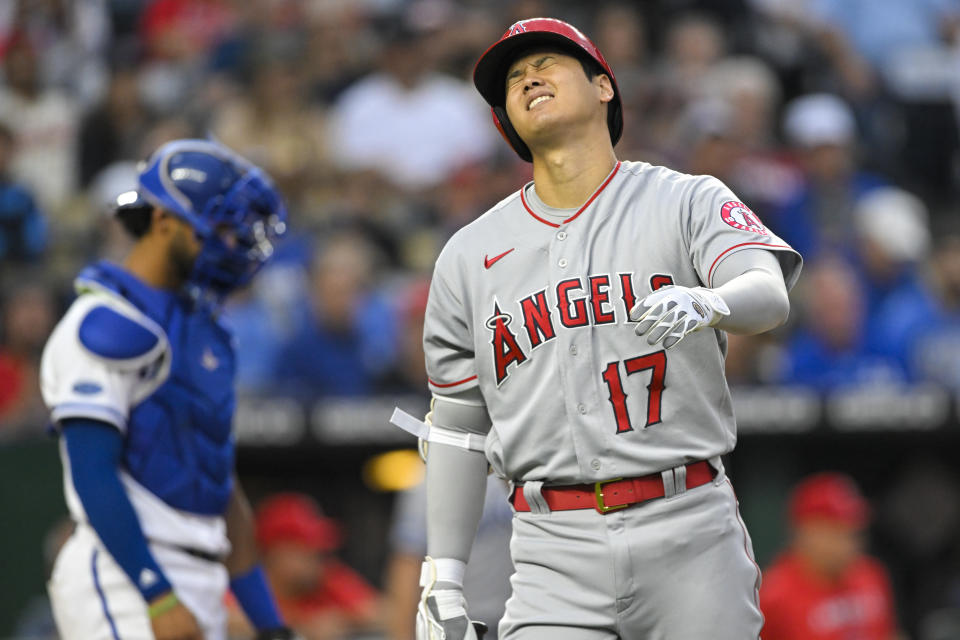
[320,596]
[824,587]
[892,243]
[893,238]
[819,216]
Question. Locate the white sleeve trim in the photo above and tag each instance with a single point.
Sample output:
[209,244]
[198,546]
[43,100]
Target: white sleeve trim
[93,411]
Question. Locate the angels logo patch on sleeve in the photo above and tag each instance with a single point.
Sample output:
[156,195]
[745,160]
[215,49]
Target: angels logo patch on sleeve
[739,216]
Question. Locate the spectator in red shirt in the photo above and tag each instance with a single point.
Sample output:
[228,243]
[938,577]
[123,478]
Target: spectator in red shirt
[320,597]
[823,587]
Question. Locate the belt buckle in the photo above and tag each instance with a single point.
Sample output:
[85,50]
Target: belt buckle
[598,495]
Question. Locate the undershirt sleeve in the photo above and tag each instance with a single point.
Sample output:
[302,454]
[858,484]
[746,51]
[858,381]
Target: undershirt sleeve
[94,449]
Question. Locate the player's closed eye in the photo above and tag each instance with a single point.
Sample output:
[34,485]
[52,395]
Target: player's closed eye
[540,63]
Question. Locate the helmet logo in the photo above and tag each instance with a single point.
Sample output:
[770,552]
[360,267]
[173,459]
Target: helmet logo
[517,28]
[188,173]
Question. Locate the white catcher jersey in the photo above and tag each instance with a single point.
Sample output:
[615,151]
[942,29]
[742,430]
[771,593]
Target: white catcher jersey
[531,305]
[78,384]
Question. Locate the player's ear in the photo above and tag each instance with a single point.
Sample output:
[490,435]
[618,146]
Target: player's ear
[162,221]
[605,87]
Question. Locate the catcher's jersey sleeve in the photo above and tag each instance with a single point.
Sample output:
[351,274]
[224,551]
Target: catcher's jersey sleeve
[717,224]
[103,358]
[447,338]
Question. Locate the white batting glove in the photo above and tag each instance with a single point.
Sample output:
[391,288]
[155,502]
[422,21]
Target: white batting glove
[671,313]
[442,612]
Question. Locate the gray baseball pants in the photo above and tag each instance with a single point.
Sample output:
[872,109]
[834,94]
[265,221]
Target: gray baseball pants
[675,568]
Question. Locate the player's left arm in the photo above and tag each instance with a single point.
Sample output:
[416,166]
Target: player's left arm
[751,297]
[746,269]
[248,582]
[751,284]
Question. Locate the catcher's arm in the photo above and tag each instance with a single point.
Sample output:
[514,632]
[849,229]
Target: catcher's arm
[248,582]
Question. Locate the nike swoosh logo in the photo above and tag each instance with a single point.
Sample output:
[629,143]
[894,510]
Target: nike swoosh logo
[488,261]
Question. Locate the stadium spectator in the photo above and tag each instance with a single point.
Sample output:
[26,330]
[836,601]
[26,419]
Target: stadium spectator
[892,238]
[319,596]
[346,336]
[28,315]
[829,350]
[819,215]
[909,48]
[410,123]
[114,130]
[23,227]
[177,38]
[693,44]
[184,29]
[71,37]
[409,374]
[883,33]
[823,587]
[923,330]
[273,123]
[44,122]
[760,171]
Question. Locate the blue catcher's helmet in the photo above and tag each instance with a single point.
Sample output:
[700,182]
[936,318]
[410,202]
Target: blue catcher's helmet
[232,205]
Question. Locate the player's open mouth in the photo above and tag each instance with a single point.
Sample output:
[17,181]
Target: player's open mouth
[538,100]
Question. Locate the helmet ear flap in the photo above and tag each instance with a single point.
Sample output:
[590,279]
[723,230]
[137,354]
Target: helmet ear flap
[510,134]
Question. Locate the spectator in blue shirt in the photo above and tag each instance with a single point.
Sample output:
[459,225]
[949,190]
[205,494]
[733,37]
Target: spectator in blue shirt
[818,217]
[346,335]
[23,229]
[922,329]
[892,242]
[831,350]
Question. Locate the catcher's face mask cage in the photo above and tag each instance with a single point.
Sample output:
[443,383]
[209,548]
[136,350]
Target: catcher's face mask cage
[489,74]
[233,207]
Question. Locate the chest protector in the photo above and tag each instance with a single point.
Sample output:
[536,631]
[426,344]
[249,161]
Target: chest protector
[179,441]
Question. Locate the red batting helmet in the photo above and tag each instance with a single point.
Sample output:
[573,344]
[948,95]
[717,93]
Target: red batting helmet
[489,75]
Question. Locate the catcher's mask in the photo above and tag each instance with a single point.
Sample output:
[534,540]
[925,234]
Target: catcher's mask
[233,207]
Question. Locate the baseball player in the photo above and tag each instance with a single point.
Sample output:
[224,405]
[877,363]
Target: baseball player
[824,586]
[575,340]
[138,376]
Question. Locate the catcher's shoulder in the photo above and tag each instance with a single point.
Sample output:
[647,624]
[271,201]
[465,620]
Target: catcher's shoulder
[109,329]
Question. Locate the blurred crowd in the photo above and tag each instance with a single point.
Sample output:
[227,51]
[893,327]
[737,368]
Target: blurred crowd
[835,120]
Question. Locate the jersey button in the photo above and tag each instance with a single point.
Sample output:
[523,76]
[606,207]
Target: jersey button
[561,235]
[582,408]
[562,263]
[595,464]
[573,349]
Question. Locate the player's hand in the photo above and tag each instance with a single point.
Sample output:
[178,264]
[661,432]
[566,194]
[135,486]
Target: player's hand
[175,623]
[442,614]
[671,313]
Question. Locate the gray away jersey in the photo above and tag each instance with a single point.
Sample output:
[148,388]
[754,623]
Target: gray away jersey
[531,304]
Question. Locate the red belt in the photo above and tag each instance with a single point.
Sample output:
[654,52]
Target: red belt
[610,495]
